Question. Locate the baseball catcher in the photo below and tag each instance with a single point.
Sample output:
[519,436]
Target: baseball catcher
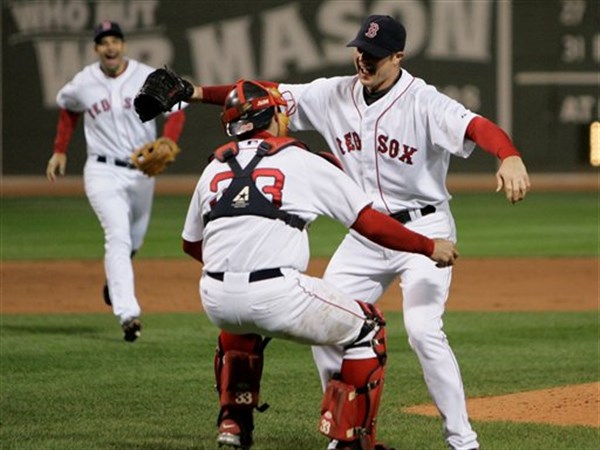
[154,157]
[162,90]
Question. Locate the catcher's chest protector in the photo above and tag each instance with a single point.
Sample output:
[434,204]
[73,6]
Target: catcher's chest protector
[242,197]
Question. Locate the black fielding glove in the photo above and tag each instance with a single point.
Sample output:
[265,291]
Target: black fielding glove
[162,90]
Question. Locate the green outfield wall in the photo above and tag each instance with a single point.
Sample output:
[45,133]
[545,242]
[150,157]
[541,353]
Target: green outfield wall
[530,65]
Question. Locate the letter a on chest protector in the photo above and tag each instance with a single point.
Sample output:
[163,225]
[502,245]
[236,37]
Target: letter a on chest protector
[242,197]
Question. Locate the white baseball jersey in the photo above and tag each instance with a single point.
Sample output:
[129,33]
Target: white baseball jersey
[398,148]
[112,128]
[303,183]
[292,306]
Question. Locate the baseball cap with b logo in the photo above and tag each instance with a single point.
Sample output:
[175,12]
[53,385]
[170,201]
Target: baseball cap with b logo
[107,28]
[380,36]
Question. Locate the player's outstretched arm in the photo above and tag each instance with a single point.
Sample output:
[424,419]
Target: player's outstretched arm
[388,232]
[216,95]
[512,175]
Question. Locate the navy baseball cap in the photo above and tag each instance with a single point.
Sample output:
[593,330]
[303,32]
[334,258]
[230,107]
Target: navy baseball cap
[107,28]
[380,36]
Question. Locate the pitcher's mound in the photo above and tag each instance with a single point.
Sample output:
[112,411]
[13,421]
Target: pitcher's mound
[568,405]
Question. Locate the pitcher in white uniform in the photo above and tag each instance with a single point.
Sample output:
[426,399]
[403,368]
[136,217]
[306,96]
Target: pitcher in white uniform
[121,196]
[394,135]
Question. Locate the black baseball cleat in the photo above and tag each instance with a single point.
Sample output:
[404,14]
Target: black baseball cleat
[380,446]
[132,329]
[106,295]
[356,445]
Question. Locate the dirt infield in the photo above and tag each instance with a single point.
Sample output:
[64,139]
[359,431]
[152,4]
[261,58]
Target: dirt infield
[479,285]
[30,185]
[534,284]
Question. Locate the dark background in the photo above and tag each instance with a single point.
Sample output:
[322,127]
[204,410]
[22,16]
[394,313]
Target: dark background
[547,37]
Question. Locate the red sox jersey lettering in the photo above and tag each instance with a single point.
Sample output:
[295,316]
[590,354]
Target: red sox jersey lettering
[351,142]
[104,106]
[392,149]
[99,107]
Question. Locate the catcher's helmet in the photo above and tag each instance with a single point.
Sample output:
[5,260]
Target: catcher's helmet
[249,108]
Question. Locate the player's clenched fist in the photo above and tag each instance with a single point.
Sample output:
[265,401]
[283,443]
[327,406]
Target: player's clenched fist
[444,252]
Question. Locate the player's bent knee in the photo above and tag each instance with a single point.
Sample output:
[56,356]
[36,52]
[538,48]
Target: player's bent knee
[423,339]
[371,340]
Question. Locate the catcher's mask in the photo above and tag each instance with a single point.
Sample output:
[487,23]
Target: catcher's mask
[249,108]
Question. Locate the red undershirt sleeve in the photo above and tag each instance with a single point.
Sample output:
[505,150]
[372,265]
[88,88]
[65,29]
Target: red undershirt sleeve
[388,232]
[174,125]
[216,95]
[67,120]
[491,138]
[194,249]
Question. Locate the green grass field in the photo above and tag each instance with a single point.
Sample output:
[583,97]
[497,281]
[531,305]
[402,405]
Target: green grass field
[546,224]
[70,382]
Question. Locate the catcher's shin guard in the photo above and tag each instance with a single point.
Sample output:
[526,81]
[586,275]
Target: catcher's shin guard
[351,400]
[238,370]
